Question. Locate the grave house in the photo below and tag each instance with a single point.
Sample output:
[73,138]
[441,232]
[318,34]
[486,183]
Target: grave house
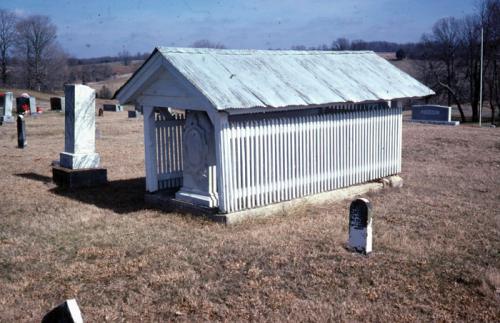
[233,130]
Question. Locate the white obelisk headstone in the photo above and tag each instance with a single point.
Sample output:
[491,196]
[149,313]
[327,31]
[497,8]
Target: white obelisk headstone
[360,226]
[79,139]
[9,103]
[32,105]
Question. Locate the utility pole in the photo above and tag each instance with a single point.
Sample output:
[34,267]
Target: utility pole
[481,82]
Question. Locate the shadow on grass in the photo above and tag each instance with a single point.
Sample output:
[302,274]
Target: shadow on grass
[35,177]
[121,196]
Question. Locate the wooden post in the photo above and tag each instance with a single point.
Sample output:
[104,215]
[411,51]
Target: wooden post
[150,149]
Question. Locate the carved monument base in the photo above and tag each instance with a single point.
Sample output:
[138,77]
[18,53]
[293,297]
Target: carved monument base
[197,198]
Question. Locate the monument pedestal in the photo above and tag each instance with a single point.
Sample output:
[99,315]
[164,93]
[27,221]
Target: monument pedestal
[197,198]
[78,178]
[79,161]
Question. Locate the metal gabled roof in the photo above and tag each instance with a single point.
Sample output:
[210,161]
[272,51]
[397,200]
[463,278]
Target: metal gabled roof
[241,79]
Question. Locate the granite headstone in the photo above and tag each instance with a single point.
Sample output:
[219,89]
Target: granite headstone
[57,103]
[112,107]
[22,105]
[435,114]
[21,132]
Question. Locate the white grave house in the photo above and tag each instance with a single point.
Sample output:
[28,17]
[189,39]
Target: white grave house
[238,129]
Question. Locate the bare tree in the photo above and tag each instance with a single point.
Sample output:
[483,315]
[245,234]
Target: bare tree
[39,49]
[125,57]
[8,22]
[341,44]
[205,43]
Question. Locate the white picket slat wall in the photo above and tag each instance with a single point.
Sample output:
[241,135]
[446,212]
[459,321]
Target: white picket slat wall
[169,149]
[276,159]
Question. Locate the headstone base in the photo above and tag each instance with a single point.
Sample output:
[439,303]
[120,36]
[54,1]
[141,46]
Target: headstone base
[197,198]
[443,123]
[79,161]
[79,178]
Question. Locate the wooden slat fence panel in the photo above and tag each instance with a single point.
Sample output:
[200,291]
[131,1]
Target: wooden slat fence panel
[168,130]
[281,158]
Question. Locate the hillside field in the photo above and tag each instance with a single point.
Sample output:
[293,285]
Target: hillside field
[436,240]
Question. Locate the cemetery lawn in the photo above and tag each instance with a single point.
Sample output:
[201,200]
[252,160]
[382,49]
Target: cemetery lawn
[436,240]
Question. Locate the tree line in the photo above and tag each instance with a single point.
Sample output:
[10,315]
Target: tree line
[447,59]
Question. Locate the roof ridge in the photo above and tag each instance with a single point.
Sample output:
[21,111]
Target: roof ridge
[191,50]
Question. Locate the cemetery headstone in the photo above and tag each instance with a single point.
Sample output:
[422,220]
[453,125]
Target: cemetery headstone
[79,163]
[360,226]
[21,132]
[112,107]
[101,112]
[32,101]
[67,312]
[7,103]
[434,114]
[132,114]
[57,103]
[22,105]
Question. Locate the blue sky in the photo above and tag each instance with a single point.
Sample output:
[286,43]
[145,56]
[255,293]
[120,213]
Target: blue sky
[90,28]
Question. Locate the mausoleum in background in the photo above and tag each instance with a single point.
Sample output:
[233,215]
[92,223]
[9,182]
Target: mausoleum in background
[238,129]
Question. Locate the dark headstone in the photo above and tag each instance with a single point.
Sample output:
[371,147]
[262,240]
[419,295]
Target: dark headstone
[21,132]
[432,114]
[67,312]
[57,103]
[360,226]
[112,107]
[22,105]
[132,114]
[100,112]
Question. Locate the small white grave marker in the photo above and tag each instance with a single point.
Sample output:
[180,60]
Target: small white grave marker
[67,312]
[360,226]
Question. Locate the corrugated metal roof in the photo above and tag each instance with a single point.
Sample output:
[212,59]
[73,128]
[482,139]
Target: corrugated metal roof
[238,79]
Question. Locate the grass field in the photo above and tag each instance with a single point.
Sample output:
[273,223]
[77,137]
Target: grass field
[436,240]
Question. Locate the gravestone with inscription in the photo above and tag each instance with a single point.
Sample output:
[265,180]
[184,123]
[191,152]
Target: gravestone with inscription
[360,226]
[434,114]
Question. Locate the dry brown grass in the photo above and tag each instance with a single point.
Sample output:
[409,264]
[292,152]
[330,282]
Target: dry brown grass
[436,241]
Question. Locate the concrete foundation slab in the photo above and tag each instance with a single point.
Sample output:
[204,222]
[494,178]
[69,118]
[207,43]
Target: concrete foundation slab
[166,201]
